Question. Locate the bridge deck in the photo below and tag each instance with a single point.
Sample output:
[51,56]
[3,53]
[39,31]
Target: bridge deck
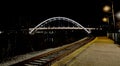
[101,52]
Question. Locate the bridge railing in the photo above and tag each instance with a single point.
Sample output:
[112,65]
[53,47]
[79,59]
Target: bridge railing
[45,28]
[115,37]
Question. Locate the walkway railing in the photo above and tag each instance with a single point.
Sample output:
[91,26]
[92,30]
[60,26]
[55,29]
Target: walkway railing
[115,37]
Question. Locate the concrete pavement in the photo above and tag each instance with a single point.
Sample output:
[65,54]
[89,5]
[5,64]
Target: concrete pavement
[102,52]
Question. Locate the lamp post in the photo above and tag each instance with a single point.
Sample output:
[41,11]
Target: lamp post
[109,9]
[113,15]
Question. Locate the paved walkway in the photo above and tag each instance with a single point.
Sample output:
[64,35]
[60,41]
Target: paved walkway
[102,53]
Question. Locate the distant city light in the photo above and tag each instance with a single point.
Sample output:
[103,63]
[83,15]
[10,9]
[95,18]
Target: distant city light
[118,15]
[106,8]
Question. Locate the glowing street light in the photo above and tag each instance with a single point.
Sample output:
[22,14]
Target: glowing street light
[105,19]
[106,8]
[110,9]
[118,15]
[0,32]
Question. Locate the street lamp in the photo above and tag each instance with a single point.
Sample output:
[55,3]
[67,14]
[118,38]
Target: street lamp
[106,8]
[110,9]
[105,19]
[118,15]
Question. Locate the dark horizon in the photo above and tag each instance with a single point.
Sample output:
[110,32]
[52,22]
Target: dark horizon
[85,12]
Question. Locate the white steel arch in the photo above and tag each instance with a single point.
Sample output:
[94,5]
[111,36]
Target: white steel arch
[58,18]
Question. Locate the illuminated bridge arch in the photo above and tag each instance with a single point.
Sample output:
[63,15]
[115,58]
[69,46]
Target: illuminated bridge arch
[54,19]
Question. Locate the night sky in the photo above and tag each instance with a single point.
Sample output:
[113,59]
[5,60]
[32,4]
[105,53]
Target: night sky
[18,16]
[83,11]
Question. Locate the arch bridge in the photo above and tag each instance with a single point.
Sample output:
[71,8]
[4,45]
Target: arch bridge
[41,26]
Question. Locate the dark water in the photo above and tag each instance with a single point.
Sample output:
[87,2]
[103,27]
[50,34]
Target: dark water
[19,42]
